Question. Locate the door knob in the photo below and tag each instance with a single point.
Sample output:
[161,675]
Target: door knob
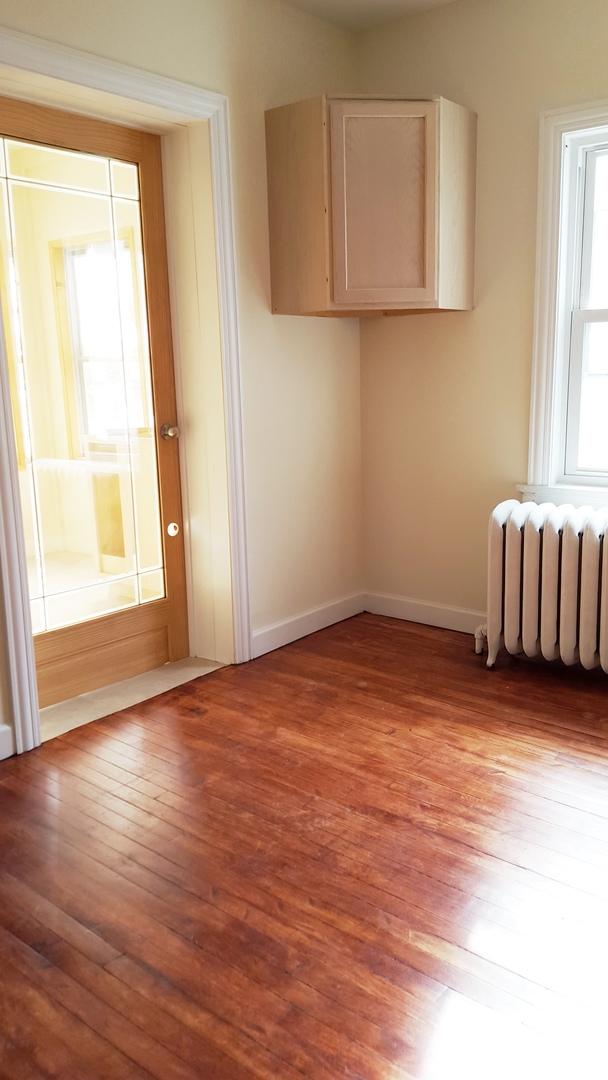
[169,431]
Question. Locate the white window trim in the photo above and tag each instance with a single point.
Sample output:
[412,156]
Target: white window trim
[546,479]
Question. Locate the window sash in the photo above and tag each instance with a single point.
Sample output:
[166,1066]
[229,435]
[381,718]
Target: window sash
[581,319]
[581,151]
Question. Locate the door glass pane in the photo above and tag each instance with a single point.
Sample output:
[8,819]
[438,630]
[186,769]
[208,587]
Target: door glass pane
[73,301]
[598,274]
[151,586]
[64,168]
[89,603]
[125,179]
[10,321]
[38,616]
[593,427]
[138,384]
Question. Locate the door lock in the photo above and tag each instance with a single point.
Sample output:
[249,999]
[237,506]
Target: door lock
[169,431]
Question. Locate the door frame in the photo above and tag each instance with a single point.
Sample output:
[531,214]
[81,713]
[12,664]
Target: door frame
[138,94]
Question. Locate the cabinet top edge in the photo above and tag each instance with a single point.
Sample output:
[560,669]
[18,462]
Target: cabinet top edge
[382,97]
[327,99]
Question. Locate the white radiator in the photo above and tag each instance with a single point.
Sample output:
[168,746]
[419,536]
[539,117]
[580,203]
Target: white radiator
[548,583]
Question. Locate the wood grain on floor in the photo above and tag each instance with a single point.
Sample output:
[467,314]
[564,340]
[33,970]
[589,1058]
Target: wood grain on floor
[362,856]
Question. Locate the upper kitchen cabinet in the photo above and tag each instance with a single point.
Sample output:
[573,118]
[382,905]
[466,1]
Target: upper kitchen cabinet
[371,205]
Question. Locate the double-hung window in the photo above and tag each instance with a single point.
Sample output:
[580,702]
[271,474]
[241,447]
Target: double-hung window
[585,310]
[569,436]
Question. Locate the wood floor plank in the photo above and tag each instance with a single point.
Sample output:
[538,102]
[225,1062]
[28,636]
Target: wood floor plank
[362,855]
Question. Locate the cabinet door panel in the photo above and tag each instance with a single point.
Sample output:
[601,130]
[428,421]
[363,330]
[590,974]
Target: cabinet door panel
[383,159]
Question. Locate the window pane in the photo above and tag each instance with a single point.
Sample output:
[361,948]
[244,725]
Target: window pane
[595,356]
[598,278]
[593,425]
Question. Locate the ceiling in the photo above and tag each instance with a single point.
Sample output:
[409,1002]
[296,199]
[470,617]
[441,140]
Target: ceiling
[361,14]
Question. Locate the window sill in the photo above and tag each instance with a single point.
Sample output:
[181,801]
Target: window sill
[576,494]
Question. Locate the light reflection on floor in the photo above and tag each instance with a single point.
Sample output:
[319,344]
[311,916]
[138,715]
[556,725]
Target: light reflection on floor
[473,1042]
[554,934]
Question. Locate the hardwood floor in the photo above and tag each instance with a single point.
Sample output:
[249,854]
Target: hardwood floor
[360,856]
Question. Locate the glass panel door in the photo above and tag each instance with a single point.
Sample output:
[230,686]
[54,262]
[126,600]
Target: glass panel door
[73,300]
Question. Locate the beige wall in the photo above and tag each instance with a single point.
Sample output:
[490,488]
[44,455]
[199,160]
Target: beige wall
[300,377]
[446,397]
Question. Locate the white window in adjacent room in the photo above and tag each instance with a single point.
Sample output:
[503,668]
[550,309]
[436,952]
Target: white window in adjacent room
[569,428]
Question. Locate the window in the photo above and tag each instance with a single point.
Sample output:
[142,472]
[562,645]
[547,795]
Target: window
[569,427]
[584,306]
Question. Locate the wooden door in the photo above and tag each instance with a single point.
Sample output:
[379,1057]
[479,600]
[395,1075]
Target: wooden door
[383,184]
[85,305]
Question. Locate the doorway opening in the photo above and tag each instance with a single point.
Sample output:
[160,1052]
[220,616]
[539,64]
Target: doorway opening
[192,125]
[87,333]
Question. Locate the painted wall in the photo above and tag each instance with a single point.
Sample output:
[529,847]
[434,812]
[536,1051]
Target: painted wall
[300,377]
[446,397]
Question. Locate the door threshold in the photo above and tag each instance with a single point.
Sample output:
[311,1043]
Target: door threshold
[66,715]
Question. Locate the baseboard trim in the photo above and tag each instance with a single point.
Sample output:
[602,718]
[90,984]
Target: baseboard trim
[282,633]
[308,622]
[7,741]
[421,611]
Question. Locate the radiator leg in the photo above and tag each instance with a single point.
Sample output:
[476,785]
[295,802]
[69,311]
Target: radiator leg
[492,654]
[494,645]
[481,635]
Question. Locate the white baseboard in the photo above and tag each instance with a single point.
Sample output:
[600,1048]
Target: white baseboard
[421,611]
[7,741]
[308,622]
[396,607]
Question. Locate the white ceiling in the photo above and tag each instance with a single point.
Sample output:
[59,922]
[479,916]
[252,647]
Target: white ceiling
[361,14]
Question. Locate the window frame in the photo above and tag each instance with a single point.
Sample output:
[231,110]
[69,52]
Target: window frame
[565,136]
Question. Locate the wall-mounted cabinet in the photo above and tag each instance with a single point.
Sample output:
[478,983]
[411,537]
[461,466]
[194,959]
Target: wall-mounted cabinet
[371,206]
